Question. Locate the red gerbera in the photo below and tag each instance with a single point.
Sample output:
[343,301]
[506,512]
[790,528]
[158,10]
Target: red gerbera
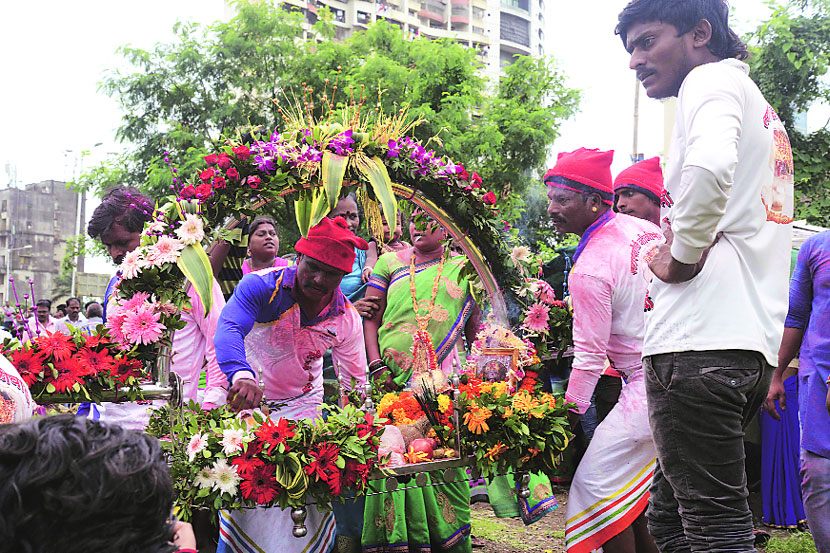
[70,373]
[125,369]
[95,341]
[325,461]
[367,428]
[247,461]
[261,485]
[355,474]
[94,362]
[56,344]
[28,363]
[334,483]
[275,434]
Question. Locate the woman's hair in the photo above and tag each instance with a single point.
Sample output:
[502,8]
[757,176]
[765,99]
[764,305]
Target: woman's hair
[72,485]
[258,222]
[684,15]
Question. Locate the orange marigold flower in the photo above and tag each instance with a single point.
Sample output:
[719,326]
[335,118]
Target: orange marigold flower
[494,452]
[508,412]
[476,420]
[523,402]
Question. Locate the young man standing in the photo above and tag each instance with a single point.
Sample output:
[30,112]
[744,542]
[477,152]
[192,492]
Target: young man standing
[719,293]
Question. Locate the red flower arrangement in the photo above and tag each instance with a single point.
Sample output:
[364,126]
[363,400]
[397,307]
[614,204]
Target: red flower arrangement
[261,485]
[75,364]
[275,435]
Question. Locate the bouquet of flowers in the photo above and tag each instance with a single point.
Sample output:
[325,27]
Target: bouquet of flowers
[77,366]
[504,431]
[220,460]
[425,435]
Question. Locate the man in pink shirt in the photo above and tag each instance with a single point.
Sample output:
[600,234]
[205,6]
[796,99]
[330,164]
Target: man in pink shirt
[608,285]
[270,343]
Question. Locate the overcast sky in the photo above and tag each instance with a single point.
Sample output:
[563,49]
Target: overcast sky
[56,53]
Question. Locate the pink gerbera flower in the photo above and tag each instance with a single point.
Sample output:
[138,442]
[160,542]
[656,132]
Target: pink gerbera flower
[155,226]
[142,326]
[536,318]
[166,250]
[114,323]
[132,264]
[197,443]
[136,301]
[192,230]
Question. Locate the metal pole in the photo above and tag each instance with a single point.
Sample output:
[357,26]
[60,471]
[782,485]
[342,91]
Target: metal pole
[636,118]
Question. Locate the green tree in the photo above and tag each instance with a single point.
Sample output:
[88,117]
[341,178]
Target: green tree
[216,81]
[790,59]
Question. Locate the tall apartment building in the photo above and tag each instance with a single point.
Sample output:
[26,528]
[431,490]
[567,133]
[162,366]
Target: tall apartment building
[497,29]
[35,222]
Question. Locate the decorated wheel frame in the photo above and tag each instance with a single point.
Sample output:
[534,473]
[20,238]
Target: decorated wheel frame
[314,162]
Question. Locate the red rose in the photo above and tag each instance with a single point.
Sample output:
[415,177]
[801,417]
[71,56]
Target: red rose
[242,152]
[212,159]
[206,175]
[219,182]
[233,173]
[475,180]
[463,173]
[254,181]
[188,192]
[224,161]
[203,191]
[489,198]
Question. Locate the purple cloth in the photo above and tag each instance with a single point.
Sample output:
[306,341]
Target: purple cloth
[780,465]
[810,310]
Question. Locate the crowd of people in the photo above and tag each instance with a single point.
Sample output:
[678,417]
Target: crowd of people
[682,330]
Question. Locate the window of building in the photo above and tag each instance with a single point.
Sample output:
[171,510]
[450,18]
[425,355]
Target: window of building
[339,15]
[517,4]
[5,206]
[479,30]
[506,58]
[363,18]
[541,35]
[515,29]
[478,12]
[436,25]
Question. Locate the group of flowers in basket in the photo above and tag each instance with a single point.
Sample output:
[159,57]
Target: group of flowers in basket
[75,364]
[505,429]
[149,295]
[544,319]
[227,461]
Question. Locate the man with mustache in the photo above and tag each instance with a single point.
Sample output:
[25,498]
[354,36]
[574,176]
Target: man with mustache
[608,288]
[720,293]
[274,330]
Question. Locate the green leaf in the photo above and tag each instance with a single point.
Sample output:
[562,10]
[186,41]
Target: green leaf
[319,205]
[195,265]
[378,177]
[50,388]
[302,211]
[341,462]
[332,171]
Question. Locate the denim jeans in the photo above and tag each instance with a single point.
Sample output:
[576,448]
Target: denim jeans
[815,492]
[698,405]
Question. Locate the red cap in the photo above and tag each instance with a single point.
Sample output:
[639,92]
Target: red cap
[645,176]
[589,167]
[332,243]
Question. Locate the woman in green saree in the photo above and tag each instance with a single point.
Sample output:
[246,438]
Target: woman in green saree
[418,291]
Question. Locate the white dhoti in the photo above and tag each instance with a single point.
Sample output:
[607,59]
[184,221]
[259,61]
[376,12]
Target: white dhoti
[610,487]
[268,530]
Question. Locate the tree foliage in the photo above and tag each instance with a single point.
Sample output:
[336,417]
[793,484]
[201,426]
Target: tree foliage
[219,80]
[790,59]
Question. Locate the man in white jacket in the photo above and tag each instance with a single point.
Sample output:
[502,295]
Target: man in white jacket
[719,298]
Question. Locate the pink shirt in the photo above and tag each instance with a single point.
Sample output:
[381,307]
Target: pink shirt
[193,346]
[608,286]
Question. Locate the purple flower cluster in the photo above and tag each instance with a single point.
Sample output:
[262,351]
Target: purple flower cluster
[305,151]
[426,162]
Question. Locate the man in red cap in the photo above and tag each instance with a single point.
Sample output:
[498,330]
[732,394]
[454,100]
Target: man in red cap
[270,342]
[638,189]
[608,285]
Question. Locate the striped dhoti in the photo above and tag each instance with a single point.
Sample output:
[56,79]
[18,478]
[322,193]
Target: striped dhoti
[610,487]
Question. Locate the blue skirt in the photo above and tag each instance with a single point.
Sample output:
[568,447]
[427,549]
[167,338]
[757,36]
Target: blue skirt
[780,480]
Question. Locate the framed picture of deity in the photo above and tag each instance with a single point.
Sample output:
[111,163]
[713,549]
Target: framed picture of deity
[497,364]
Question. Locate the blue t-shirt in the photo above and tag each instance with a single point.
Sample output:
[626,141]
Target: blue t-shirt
[810,310]
[352,284]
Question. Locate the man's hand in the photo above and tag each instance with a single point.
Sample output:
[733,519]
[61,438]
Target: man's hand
[384,376]
[244,394]
[776,393]
[183,536]
[669,270]
[367,307]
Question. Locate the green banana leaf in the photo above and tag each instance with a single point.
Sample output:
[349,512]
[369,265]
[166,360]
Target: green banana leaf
[195,265]
[376,173]
[332,171]
[302,210]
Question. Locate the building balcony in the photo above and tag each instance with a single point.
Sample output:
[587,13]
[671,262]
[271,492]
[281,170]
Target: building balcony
[460,2]
[460,19]
[433,16]
[515,48]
